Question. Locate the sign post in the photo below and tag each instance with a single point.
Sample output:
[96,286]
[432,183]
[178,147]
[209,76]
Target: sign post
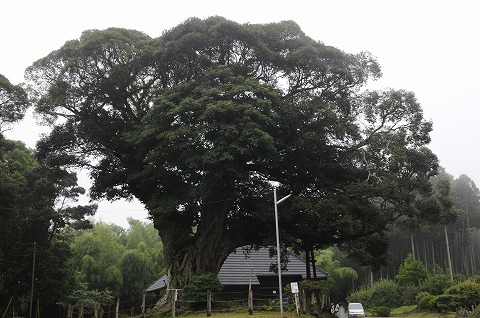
[294,288]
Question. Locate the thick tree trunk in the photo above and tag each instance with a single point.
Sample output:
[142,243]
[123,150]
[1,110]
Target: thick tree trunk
[205,252]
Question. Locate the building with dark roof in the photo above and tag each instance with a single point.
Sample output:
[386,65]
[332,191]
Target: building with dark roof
[245,265]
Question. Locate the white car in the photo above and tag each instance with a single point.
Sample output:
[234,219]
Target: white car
[355,310]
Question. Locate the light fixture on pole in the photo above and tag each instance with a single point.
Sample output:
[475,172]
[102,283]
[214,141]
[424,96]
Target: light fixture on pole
[279,266]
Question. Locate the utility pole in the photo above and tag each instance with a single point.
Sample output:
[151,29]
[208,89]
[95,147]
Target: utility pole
[33,277]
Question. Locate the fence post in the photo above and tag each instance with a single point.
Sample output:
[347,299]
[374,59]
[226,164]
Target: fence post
[174,298]
[304,301]
[250,302]
[117,307]
[209,303]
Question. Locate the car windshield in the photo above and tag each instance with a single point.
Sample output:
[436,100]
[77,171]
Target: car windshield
[355,306]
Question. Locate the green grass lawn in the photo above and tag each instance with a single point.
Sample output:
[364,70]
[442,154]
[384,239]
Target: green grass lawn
[411,312]
[243,314]
[401,312]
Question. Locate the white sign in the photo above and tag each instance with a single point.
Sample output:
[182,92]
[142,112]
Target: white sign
[294,287]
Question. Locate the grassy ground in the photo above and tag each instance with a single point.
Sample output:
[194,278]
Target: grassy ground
[244,314]
[411,312]
[291,315]
[402,312]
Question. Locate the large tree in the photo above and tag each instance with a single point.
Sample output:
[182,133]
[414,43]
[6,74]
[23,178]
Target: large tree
[32,226]
[200,122]
[35,209]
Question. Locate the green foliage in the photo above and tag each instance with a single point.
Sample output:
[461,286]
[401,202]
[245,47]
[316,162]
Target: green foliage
[420,296]
[363,295]
[95,251]
[124,261]
[380,311]
[339,279]
[437,284]
[214,110]
[428,302]
[82,296]
[114,278]
[445,302]
[412,272]
[384,292]
[137,271]
[459,277]
[435,292]
[196,289]
[36,211]
[409,294]
[13,102]
[468,293]
[417,286]
[310,285]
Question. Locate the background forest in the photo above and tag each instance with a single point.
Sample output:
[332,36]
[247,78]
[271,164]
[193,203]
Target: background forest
[428,242]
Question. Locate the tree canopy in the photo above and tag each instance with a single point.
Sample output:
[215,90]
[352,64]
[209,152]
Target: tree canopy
[122,262]
[199,123]
[13,103]
[36,208]
[35,215]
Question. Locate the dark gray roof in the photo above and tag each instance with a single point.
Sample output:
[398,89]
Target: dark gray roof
[239,264]
[159,284]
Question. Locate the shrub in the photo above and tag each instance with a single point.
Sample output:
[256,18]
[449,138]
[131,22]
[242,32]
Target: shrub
[444,303]
[363,296]
[437,284]
[386,293]
[428,302]
[475,278]
[408,294]
[468,293]
[383,293]
[459,277]
[196,290]
[381,311]
[412,272]
[420,295]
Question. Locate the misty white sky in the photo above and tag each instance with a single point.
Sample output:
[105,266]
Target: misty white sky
[429,47]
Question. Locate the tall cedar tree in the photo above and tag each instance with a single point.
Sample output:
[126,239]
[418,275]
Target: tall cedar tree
[200,122]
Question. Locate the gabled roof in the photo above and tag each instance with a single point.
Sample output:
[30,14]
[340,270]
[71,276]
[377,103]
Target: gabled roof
[159,284]
[244,262]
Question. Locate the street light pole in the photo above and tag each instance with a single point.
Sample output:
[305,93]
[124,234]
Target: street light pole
[279,266]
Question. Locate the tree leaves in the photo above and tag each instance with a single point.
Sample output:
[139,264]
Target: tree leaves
[36,213]
[13,103]
[199,122]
